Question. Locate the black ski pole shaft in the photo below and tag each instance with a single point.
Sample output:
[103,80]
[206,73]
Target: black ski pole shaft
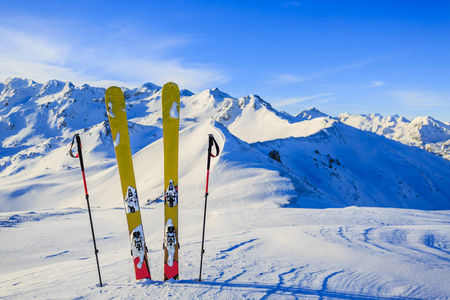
[211,142]
[80,156]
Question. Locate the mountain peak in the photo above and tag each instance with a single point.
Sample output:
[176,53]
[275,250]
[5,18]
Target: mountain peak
[311,113]
[53,87]
[150,86]
[18,83]
[256,102]
[215,92]
[186,93]
[18,90]
[423,132]
[425,120]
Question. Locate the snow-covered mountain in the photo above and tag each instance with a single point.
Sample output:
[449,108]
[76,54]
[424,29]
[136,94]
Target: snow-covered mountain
[301,206]
[311,113]
[423,132]
[319,161]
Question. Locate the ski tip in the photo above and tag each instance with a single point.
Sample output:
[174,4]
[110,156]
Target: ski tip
[171,83]
[112,88]
[114,92]
[171,86]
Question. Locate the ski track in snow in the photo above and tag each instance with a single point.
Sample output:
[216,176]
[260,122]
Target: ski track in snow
[8,220]
[300,253]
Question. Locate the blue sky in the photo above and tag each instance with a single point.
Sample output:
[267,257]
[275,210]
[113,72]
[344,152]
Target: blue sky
[388,57]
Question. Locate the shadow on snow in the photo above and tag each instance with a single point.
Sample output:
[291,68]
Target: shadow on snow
[273,289]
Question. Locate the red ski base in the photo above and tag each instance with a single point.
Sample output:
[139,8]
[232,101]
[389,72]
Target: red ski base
[143,272]
[171,272]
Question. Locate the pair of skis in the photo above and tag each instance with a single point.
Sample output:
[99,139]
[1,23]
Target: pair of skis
[116,110]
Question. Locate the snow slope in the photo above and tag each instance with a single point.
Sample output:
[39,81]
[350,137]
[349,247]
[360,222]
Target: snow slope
[324,163]
[299,206]
[374,171]
[258,253]
[322,170]
[423,132]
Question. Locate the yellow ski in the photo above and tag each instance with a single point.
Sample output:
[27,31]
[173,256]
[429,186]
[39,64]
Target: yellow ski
[171,119]
[115,107]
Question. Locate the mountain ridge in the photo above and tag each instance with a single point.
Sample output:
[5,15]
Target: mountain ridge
[422,132]
[323,161]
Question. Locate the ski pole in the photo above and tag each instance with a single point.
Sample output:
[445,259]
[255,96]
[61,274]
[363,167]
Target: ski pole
[79,154]
[211,142]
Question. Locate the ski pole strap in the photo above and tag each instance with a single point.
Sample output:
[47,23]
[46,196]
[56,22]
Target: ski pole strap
[212,142]
[78,146]
[79,154]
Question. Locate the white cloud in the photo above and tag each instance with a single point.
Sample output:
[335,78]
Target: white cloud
[162,71]
[341,68]
[286,79]
[292,4]
[282,79]
[31,47]
[33,69]
[374,84]
[326,100]
[420,99]
[125,57]
[295,100]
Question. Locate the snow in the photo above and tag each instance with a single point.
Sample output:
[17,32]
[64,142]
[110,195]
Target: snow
[344,213]
[361,253]
[310,113]
[423,132]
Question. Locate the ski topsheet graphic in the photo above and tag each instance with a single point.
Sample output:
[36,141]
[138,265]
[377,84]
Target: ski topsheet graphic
[115,107]
[170,112]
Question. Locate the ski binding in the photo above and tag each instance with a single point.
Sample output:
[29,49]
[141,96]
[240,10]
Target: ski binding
[137,245]
[171,195]
[171,242]
[131,201]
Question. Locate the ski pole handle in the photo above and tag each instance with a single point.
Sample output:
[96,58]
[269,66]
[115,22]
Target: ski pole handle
[77,139]
[71,147]
[212,142]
